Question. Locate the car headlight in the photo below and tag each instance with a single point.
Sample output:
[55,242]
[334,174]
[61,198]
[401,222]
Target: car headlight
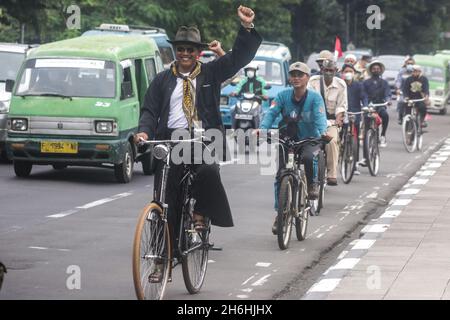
[4,106]
[160,152]
[18,124]
[439,92]
[104,126]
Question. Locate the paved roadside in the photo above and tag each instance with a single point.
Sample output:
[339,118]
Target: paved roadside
[405,254]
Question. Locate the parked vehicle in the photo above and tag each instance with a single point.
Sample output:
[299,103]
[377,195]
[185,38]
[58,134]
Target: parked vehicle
[272,59]
[77,102]
[436,69]
[11,58]
[157,34]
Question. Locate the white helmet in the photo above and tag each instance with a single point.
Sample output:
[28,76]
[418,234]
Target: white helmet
[252,65]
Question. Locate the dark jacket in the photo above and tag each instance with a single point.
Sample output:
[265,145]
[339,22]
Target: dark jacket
[377,90]
[356,96]
[155,111]
[416,88]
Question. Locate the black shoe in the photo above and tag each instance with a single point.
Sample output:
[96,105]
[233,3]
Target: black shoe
[313,191]
[332,182]
[274,227]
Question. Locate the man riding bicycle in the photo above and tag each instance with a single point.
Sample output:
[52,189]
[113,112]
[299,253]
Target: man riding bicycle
[417,87]
[378,91]
[334,94]
[304,116]
[186,97]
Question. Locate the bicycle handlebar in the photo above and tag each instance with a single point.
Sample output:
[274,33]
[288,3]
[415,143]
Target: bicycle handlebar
[374,105]
[414,100]
[195,140]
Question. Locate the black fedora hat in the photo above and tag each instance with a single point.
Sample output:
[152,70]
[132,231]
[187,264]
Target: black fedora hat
[188,35]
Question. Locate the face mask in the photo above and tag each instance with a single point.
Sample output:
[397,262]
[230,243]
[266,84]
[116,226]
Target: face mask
[328,75]
[376,74]
[409,68]
[348,76]
[250,74]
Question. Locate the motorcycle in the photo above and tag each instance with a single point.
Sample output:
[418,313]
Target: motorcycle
[246,115]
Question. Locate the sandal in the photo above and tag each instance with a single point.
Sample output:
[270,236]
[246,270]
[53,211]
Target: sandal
[157,275]
[199,225]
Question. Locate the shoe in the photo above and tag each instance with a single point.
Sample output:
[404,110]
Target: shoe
[332,182]
[157,275]
[362,163]
[400,121]
[274,226]
[424,124]
[383,143]
[313,191]
[356,172]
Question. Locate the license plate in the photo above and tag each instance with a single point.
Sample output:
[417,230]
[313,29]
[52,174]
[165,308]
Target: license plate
[244,116]
[59,147]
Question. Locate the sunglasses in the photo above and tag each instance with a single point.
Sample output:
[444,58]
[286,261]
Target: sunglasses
[183,49]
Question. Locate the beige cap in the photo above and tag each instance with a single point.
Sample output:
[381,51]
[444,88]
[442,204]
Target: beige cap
[300,66]
[325,55]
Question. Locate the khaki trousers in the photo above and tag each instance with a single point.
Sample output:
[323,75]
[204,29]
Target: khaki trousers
[332,150]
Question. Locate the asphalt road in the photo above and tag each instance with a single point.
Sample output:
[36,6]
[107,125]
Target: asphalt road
[55,224]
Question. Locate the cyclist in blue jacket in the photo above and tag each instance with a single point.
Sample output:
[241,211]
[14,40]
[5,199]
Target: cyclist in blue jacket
[304,116]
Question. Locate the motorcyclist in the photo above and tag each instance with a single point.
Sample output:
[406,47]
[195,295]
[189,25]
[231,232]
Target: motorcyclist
[404,73]
[417,87]
[378,91]
[252,83]
[304,116]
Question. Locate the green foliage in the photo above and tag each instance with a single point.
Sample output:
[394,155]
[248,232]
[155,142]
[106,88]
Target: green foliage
[304,25]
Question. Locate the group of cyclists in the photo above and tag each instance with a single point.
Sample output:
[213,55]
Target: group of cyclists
[313,106]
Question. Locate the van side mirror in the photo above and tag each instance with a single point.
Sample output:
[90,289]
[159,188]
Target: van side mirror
[9,85]
[126,90]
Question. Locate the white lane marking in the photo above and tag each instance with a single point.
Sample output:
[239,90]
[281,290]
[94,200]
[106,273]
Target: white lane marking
[263,264]
[420,181]
[325,285]
[408,192]
[373,195]
[225,163]
[211,261]
[103,201]
[242,296]
[390,214]
[261,281]
[428,173]
[439,159]
[342,255]
[434,165]
[346,263]
[320,235]
[246,281]
[362,244]
[38,248]
[63,214]
[378,228]
[248,290]
[45,248]
[401,202]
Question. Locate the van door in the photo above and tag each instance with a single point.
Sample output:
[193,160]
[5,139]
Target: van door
[128,94]
[141,80]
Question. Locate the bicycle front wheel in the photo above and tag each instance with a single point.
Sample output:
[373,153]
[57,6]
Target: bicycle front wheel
[194,261]
[373,152]
[151,254]
[409,132]
[302,217]
[348,162]
[285,212]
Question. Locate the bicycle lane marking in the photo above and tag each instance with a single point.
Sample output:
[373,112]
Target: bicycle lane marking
[90,205]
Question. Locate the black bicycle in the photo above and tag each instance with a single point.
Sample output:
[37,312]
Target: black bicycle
[411,127]
[153,259]
[349,149]
[294,207]
[370,128]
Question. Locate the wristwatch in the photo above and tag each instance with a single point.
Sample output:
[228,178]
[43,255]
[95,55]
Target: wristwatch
[248,26]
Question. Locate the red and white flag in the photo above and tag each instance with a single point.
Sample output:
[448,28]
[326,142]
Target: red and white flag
[337,48]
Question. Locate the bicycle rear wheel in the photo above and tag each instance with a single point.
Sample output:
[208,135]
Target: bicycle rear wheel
[348,162]
[373,152]
[151,254]
[409,132]
[194,261]
[285,212]
[302,217]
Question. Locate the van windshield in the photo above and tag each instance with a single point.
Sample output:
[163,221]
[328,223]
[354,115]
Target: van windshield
[434,74]
[68,77]
[9,64]
[270,71]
